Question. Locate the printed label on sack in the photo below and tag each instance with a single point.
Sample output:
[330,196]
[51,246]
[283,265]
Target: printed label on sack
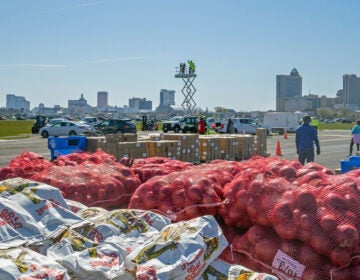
[288,266]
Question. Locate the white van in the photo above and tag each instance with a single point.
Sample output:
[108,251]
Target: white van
[244,125]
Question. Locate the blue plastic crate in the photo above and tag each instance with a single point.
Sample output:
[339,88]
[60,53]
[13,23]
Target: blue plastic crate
[61,152]
[354,158]
[57,142]
[347,165]
[66,145]
[78,141]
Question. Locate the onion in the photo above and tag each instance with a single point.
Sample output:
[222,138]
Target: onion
[347,236]
[340,256]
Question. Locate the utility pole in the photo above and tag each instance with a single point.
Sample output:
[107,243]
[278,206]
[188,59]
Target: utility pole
[188,76]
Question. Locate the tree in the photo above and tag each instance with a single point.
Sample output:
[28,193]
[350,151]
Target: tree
[220,109]
[344,112]
[325,113]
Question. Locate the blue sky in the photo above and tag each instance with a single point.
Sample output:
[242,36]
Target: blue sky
[52,51]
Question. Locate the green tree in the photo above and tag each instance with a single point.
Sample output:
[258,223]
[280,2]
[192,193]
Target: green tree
[220,109]
[324,113]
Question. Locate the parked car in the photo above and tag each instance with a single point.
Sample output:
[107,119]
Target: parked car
[90,120]
[54,121]
[215,124]
[190,124]
[346,121]
[64,128]
[174,124]
[122,125]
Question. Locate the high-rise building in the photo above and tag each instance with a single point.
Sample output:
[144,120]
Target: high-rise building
[351,89]
[287,86]
[167,97]
[17,103]
[79,106]
[102,99]
[81,102]
[140,104]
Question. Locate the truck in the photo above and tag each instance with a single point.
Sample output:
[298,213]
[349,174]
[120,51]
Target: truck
[242,125]
[279,122]
[181,124]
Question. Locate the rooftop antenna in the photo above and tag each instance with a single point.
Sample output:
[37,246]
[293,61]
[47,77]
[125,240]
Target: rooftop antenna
[187,74]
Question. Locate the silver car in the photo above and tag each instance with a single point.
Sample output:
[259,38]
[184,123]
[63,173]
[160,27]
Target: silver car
[64,128]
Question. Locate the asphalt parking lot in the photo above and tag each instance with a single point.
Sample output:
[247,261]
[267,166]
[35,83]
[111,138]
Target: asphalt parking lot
[334,147]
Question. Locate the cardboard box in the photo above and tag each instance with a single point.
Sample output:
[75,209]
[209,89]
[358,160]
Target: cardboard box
[95,143]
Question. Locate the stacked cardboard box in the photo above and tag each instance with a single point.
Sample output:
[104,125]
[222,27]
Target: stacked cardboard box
[162,148]
[260,144]
[209,148]
[130,137]
[185,147]
[188,147]
[246,146]
[131,150]
[229,147]
[94,143]
[111,143]
[114,138]
[157,137]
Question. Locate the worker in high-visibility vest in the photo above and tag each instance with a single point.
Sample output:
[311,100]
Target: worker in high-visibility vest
[191,66]
[315,122]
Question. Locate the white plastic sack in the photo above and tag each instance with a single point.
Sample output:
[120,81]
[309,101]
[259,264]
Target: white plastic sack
[181,251]
[21,264]
[17,185]
[221,270]
[101,262]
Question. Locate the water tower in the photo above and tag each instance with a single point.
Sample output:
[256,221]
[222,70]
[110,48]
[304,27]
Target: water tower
[187,74]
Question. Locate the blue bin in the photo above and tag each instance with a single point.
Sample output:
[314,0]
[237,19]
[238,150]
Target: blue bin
[354,158]
[66,145]
[347,165]
[78,141]
[57,142]
[61,152]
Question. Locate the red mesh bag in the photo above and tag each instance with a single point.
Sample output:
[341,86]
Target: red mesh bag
[315,207]
[73,159]
[108,184]
[25,165]
[261,249]
[149,167]
[184,195]
[251,196]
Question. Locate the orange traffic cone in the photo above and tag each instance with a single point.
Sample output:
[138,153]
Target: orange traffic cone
[278,149]
[285,134]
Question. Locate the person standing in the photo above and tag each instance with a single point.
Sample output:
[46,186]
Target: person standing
[315,122]
[202,126]
[182,68]
[191,66]
[355,139]
[230,127]
[305,138]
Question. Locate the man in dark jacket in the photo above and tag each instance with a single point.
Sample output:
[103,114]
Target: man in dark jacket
[306,137]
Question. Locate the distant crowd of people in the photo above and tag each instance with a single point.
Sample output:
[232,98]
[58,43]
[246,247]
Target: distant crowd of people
[306,137]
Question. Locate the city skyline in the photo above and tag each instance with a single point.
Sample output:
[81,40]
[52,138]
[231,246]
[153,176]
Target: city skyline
[53,52]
